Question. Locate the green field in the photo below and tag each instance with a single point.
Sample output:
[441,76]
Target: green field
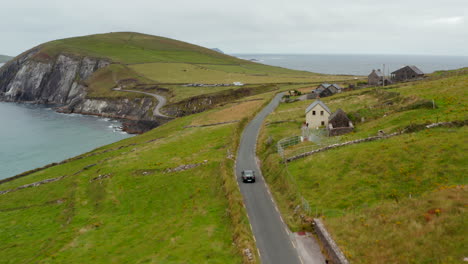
[120,204]
[379,198]
[130,47]
[227,74]
[152,61]
[396,200]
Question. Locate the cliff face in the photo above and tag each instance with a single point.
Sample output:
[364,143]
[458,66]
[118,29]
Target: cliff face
[54,82]
[61,82]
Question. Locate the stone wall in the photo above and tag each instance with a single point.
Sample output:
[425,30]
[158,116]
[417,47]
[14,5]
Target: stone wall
[339,131]
[333,251]
[357,141]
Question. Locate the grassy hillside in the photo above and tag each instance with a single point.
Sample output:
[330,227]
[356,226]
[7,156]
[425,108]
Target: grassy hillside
[396,200]
[4,58]
[130,47]
[152,61]
[127,202]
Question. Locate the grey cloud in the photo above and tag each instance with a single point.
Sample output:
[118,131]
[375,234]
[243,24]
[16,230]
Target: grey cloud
[258,26]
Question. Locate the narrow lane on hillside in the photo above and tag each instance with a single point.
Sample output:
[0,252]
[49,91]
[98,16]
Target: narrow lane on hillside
[272,236]
[161,100]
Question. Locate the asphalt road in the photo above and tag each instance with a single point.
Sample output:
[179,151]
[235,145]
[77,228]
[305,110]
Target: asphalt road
[271,234]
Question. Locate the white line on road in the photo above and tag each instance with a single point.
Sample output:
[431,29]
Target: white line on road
[300,258]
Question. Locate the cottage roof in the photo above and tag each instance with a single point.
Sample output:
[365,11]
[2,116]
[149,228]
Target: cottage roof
[378,72]
[416,69]
[318,102]
[338,112]
[318,90]
[412,67]
[325,85]
[337,86]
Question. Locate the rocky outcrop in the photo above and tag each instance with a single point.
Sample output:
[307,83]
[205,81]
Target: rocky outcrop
[56,81]
[61,82]
[132,109]
[204,102]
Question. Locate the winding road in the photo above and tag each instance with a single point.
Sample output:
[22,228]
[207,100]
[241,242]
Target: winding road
[273,238]
[161,101]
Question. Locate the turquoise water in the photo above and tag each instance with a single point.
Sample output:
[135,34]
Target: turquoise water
[32,136]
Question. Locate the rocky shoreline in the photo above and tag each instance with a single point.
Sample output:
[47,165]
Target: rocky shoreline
[61,82]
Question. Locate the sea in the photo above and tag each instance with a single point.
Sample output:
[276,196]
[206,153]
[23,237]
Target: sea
[32,136]
[357,64]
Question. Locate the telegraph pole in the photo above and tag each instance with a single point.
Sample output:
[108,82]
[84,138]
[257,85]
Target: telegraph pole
[383,76]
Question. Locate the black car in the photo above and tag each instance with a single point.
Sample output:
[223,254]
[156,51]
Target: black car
[248,176]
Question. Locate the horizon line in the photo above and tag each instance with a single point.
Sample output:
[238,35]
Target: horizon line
[386,54]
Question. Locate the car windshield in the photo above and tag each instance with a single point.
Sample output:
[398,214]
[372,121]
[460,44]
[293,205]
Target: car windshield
[248,173]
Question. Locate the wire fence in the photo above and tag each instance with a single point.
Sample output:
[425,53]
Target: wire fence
[287,142]
[317,138]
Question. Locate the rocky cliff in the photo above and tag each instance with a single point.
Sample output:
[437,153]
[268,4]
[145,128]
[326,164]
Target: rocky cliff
[56,81]
[61,82]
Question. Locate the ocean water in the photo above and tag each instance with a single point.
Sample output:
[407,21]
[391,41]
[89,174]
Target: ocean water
[357,64]
[32,136]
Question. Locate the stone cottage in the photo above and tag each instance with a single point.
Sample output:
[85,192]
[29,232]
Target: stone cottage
[324,90]
[335,88]
[375,77]
[317,114]
[406,73]
[339,123]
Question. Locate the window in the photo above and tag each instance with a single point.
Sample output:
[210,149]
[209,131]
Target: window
[321,112]
[313,112]
[323,123]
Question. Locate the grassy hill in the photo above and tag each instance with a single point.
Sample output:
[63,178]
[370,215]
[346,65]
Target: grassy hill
[137,201]
[4,58]
[396,200]
[166,63]
[167,196]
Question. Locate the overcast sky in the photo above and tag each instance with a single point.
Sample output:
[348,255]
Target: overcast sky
[250,26]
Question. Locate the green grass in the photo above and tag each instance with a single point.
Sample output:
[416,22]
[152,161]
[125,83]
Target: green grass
[157,61]
[183,92]
[139,213]
[429,229]
[390,169]
[130,47]
[211,74]
[389,109]
[396,177]
[101,83]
